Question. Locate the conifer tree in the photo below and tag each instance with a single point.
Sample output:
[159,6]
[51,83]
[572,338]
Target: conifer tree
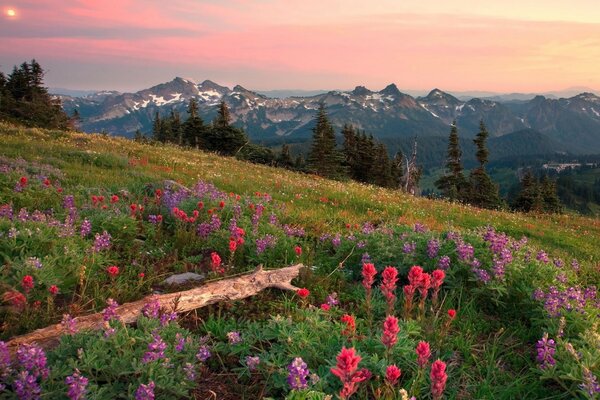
[483,192]
[285,158]
[453,183]
[324,159]
[222,137]
[350,149]
[528,198]
[157,130]
[550,199]
[382,167]
[194,130]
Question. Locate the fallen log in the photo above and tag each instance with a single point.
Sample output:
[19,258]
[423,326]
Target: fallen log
[235,288]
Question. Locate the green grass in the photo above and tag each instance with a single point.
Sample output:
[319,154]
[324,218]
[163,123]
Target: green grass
[90,161]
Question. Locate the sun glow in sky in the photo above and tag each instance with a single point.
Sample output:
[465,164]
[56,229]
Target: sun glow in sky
[496,45]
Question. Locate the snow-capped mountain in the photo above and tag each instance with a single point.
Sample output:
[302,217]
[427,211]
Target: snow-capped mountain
[386,114]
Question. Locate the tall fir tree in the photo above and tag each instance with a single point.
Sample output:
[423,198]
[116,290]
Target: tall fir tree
[382,167]
[222,137]
[157,130]
[194,130]
[453,185]
[324,159]
[483,192]
[350,149]
[550,199]
[529,198]
[284,159]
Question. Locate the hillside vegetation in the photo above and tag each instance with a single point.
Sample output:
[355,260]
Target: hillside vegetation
[403,296]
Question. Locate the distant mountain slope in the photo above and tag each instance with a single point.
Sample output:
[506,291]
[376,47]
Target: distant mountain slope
[388,114]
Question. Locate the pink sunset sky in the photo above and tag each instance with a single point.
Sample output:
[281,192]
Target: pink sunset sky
[458,45]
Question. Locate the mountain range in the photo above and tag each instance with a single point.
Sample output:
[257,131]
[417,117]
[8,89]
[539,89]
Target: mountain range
[564,124]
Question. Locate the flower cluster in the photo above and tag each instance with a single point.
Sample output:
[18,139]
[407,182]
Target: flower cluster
[347,370]
[297,374]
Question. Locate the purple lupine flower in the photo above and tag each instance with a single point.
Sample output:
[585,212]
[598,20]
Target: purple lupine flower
[267,241]
[545,351]
[77,386]
[32,358]
[34,262]
[575,265]
[152,308]
[298,371]
[203,353]
[101,242]
[156,349]
[23,215]
[145,392]
[368,228]
[324,237]
[12,233]
[332,299]
[433,246]
[252,362]
[215,222]
[465,251]
[26,386]
[538,294]
[444,263]
[481,274]
[273,219]
[167,317]
[6,211]
[498,268]
[366,258]
[68,202]
[454,236]
[337,240]
[409,247]
[108,330]
[153,219]
[86,228]
[562,277]
[110,312]
[293,231]
[543,257]
[69,324]
[361,244]
[180,342]
[234,337]
[190,372]
[558,263]
[203,230]
[419,228]
[590,383]
[4,361]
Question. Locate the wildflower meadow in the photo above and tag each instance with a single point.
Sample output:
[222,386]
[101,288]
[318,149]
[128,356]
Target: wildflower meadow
[400,298]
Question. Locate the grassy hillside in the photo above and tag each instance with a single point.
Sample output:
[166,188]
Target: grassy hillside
[468,303]
[115,163]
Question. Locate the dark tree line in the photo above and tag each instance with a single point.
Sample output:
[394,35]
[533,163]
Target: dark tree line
[361,158]
[480,190]
[24,99]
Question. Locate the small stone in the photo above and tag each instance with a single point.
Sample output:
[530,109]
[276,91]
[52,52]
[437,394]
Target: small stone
[181,279]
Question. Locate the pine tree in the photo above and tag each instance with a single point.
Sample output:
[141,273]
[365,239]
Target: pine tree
[397,170]
[222,137]
[350,149]
[194,130]
[176,133]
[528,198]
[324,159]
[285,158]
[365,158]
[483,192]
[453,183]
[139,136]
[157,130]
[551,202]
[382,167]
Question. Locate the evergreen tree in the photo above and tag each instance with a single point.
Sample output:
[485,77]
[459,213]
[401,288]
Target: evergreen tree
[550,198]
[157,130]
[350,149]
[452,185]
[139,137]
[285,158]
[483,192]
[528,198]
[176,132]
[222,137]
[382,167]
[365,158]
[23,98]
[324,159]
[194,130]
[397,170]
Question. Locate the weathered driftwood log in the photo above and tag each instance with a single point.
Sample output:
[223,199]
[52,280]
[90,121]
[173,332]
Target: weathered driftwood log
[223,290]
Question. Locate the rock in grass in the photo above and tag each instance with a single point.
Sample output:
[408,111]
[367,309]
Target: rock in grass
[182,279]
